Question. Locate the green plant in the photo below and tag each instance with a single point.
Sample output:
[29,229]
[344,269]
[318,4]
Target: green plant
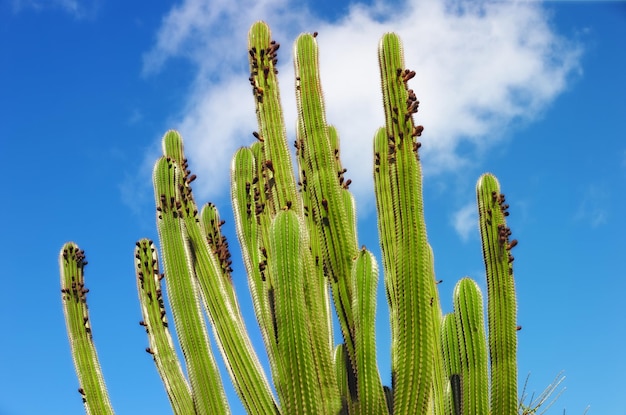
[299,242]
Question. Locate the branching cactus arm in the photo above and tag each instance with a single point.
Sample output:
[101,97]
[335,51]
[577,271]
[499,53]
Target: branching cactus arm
[73,293]
[155,322]
[207,253]
[262,195]
[501,302]
[183,291]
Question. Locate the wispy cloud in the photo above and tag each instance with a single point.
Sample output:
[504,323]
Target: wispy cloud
[80,9]
[480,66]
[592,208]
[465,221]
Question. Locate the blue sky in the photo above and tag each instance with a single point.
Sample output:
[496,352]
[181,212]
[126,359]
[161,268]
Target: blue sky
[533,92]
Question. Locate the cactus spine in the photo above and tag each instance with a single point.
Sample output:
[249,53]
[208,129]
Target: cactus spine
[300,249]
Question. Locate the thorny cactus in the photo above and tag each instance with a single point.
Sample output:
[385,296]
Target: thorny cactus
[300,250]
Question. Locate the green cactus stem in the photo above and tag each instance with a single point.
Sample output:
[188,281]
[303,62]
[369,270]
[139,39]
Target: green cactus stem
[408,266]
[472,347]
[155,322]
[206,255]
[371,397]
[332,212]
[92,388]
[183,291]
[501,302]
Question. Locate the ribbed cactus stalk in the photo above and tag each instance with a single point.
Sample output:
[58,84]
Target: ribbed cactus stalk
[301,253]
[92,389]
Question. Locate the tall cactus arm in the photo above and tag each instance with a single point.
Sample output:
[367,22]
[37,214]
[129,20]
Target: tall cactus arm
[74,295]
[501,302]
[235,345]
[263,58]
[155,322]
[412,336]
[208,255]
[468,312]
[243,185]
[371,397]
[337,241]
[276,188]
[311,218]
[204,378]
[299,390]
[253,223]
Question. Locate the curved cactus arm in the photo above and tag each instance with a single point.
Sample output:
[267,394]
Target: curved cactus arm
[208,255]
[501,303]
[299,391]
[183,292]
[155,322]
[235,345]
[468,313]
[406,248]
[74,295]
[370,394]
[253,223]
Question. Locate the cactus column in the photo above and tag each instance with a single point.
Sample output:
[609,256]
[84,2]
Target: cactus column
[301,253]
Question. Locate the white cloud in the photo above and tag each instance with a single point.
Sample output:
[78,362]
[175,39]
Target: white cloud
[465,220]
[479,67]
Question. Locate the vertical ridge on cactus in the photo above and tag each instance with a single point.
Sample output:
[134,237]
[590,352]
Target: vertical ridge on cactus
[299,244]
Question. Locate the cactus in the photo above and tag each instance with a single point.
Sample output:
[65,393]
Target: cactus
[301,253]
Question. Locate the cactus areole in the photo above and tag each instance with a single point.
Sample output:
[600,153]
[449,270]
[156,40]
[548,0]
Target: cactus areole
[299,244]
